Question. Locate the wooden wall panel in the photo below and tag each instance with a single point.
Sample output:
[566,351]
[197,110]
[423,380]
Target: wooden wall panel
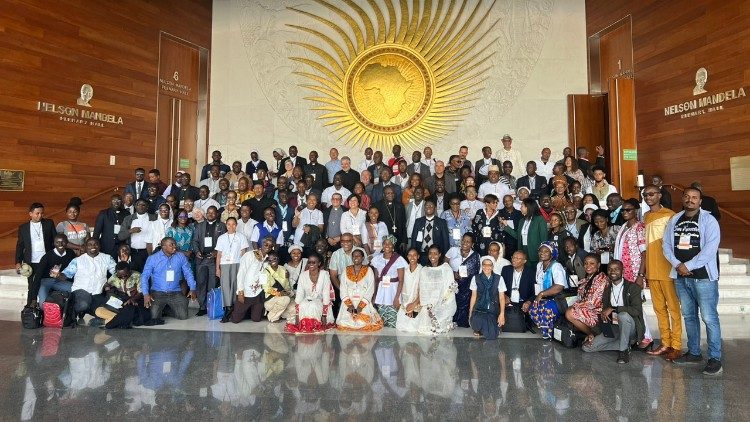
[671,40]
[47,51]
[587,122]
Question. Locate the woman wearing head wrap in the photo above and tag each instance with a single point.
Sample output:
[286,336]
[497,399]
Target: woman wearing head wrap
[389,267]
[584,313]
[487,308]
[296,265]
[550,280]
[560,195]
[357,285]
[313,309]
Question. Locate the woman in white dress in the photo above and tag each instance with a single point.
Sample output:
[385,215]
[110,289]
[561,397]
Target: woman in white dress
[357,312]
[352,220]
[313,299]
[373,232]
[390,277]
[406,320]
[437,295]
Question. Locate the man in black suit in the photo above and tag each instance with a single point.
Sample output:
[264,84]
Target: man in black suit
[441,198]
[614,205]
[482,167]
[317,171]
[378,190]
[393,213]
[417,167]
[254,165]
[139,187]
[537,184]
[206,234]
[349,176]
[430,230]
[35,239]
[108,224]
[519,280]
[215,160]
[186,190]
[296,161]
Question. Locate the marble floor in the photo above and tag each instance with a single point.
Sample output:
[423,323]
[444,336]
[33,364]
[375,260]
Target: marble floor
[166,374]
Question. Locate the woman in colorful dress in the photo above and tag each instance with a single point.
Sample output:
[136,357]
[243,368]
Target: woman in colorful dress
[406,320]
[365,199]
[604,237]
[459,222]
[487,309]
[550,280]
[437,295]
[182,233]
[464,262]
[313,298]
[390,280]
[487,226]
[357,288]
[584,313]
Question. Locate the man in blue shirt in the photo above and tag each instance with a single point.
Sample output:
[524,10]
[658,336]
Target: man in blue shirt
[160,281]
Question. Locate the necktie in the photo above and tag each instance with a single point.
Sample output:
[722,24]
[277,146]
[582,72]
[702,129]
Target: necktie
[428,235]
[138,190]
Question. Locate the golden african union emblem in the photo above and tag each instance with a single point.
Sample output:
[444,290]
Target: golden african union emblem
[408,79]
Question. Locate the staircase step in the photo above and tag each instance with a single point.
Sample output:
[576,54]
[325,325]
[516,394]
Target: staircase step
[733,269]
[726,291]
[13,292]
[12,280]
[725,307]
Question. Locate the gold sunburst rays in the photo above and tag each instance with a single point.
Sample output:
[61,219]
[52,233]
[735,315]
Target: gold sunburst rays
[379,79]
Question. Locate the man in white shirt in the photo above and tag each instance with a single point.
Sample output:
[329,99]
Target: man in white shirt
[493,185]
[159,228]
[136,229]
[250,283]
[367,162]
[414,210]
[212,181]
[309,216]
[428,160]
[89,274]
[204,201]
[544,165]
[337,187]
[245,224]
[507,153]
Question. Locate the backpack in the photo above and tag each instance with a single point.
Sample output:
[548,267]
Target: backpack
[566,334]
[31,317]
[58,310]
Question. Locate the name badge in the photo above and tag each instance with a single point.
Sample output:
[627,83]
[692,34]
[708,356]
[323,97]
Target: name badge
[386,282]
[684,242]
[166,367]
[395,168]
[170,275]
[419,236]
[605,257]
[313,175]
[117,228]
[515,297]
[227,259]
[487,231]
[376,180]
[456,233]
[208,242]
[357,297]
[255,176]
[377,244]
[285,226]
[355,232]
[463,271]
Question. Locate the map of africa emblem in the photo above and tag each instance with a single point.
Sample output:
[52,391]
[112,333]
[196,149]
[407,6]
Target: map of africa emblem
[409,74]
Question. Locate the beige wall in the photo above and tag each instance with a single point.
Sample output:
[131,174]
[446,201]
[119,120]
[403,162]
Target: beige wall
[256,103]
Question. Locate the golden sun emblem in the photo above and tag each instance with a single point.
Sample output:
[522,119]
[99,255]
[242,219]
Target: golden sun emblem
[410,80]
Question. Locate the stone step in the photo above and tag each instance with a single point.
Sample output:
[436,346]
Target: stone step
[734,280]
[733,269]
[12,279]
[13,291]
[726,291]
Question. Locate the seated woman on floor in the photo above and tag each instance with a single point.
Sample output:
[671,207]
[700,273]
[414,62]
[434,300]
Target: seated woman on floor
[357,288]
[313,311]
[437,295]
[550,280]
[406,320]
[584,313]
[487,308]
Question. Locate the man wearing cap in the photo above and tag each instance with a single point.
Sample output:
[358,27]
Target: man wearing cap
[507,153]
[482,167]
[494,185]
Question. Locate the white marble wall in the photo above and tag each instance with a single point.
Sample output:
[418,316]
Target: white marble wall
[256,103]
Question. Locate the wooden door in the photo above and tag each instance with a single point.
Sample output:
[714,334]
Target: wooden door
[622,142]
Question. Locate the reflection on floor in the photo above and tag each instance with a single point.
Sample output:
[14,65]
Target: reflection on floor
[87,373]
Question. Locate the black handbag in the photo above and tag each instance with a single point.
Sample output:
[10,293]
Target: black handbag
[31,317]
[566,334]
[515,320]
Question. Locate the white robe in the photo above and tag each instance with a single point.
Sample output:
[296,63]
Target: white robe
[437,294]
[409,293]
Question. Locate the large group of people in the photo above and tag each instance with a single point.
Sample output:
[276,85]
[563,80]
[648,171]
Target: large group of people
[420,244]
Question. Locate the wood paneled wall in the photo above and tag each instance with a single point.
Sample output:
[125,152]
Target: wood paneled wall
[48,49]
[671,40]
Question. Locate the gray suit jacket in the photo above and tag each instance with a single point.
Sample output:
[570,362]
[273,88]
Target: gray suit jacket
[409,207]
[424,171]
